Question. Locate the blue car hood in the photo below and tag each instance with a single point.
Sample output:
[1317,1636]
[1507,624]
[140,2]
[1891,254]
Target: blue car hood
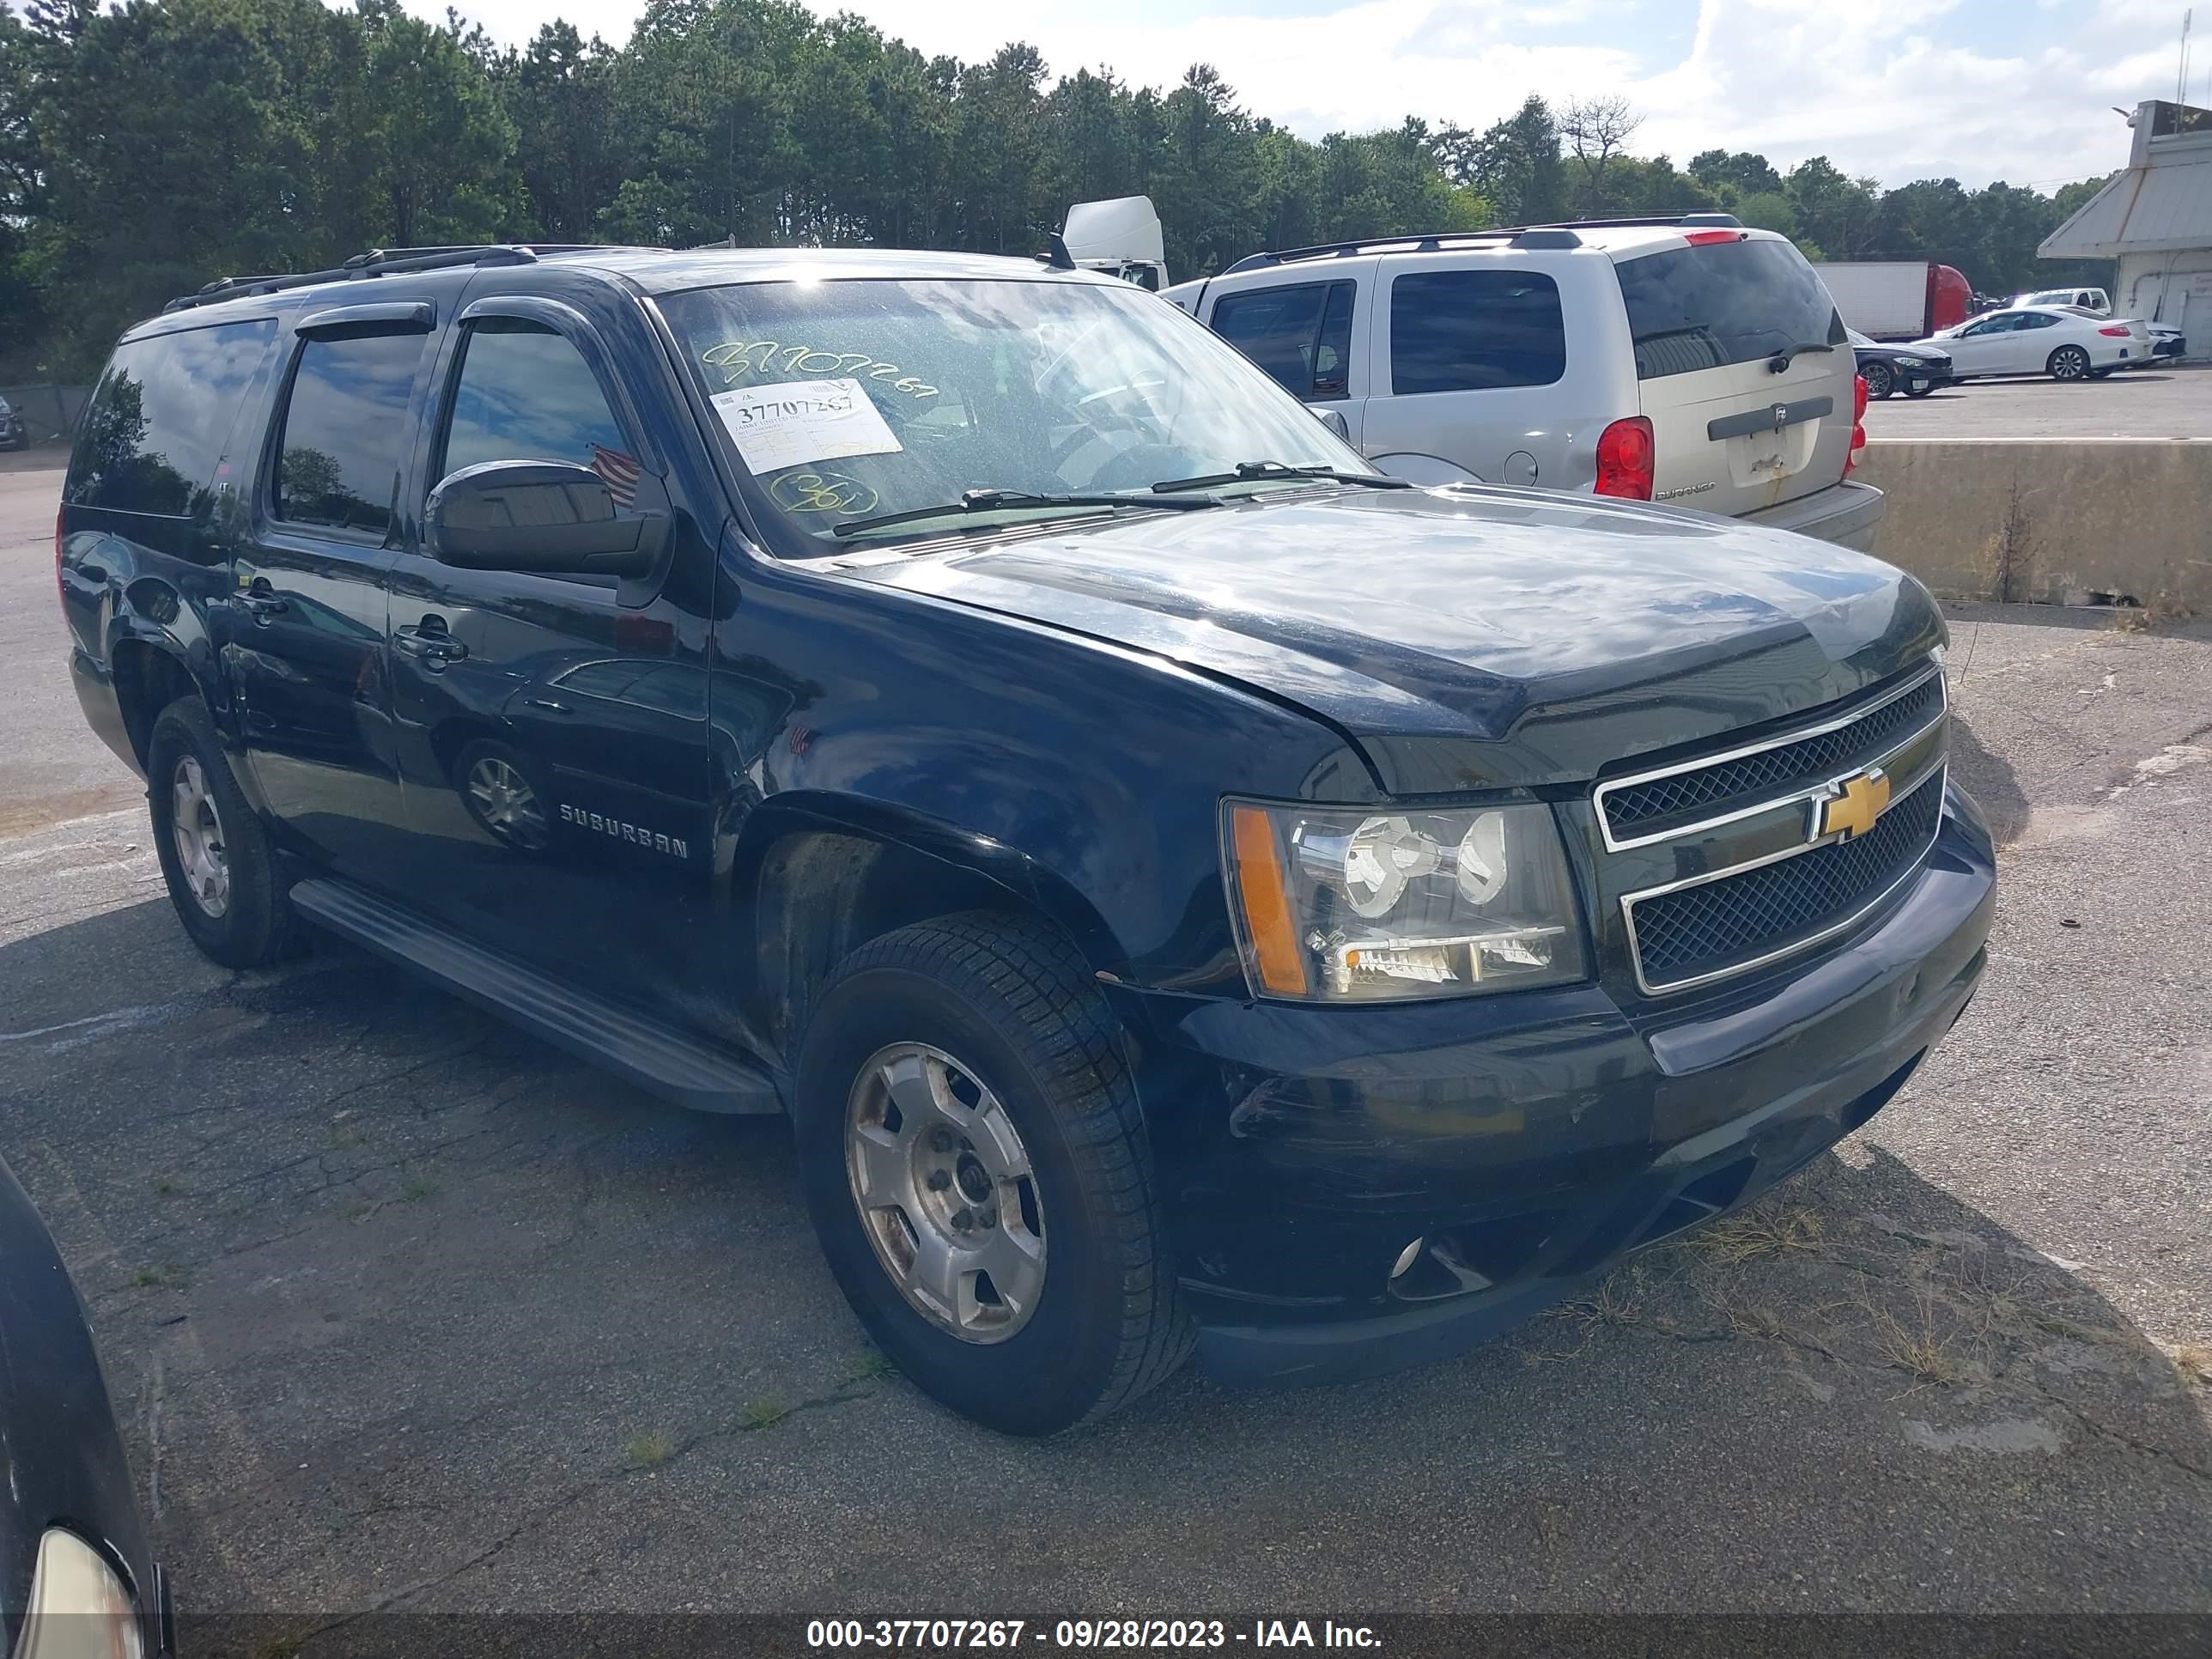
[1469,635]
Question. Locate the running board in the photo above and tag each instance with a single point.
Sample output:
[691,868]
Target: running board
[680,1068]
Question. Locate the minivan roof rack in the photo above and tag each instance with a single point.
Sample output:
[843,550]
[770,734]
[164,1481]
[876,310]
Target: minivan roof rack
[1557,234]
[377,262]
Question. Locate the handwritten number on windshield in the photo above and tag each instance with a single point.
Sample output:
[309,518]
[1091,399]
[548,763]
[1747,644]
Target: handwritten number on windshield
[739,358]
[809,491]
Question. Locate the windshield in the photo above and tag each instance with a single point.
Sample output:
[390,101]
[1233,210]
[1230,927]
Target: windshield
[855,399]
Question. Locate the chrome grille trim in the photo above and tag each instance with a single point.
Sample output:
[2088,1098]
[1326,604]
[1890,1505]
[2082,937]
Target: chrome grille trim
[1934,777]
[1808,792]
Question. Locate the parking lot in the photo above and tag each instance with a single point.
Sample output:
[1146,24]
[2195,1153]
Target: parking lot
[2143,402]
[403,1310]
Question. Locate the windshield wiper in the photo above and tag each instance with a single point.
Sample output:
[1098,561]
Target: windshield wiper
[993,500]
[1246,471]
[1781,359]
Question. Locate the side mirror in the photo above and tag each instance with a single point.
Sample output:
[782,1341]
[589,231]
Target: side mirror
[551,517]
[1334,420]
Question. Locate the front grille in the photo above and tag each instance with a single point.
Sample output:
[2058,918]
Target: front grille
[1727,923]
[1653,806]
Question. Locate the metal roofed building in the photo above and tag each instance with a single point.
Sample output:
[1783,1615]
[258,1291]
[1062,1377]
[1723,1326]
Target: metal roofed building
[2155,219]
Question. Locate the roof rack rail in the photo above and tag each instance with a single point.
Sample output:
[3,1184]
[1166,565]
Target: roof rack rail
[376,261]
[1538,235]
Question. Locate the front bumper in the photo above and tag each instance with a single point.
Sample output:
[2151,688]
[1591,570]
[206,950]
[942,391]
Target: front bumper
[1530,1143]
[1929,377]
[1845,514]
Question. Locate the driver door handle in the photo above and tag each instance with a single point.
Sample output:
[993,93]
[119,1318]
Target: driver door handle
[261,601]
[430,640]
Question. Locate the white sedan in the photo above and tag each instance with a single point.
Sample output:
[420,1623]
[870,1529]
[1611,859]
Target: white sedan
[2054,340]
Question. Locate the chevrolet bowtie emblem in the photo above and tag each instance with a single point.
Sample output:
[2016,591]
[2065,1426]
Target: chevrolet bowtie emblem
[1857,802]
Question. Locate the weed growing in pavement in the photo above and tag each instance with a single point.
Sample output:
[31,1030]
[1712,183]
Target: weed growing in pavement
[765,1412]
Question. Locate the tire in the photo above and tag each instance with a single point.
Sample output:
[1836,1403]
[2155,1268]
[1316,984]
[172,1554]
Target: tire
[2069,362]
[500,793]
[222,872]
[978,1024]
[1880,381]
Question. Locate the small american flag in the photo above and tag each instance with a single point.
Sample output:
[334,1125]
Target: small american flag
[621,472]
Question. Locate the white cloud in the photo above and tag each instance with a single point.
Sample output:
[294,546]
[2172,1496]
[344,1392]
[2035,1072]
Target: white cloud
[1864,84]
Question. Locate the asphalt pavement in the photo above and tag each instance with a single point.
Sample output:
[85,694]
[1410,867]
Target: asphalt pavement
[2143,403]
[403,1310]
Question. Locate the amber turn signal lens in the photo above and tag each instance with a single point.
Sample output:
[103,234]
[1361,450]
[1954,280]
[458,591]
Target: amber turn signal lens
[1265,897]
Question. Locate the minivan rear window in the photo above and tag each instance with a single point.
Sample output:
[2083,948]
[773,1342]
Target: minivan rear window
[1722,303]
[150,437]
[1474,331]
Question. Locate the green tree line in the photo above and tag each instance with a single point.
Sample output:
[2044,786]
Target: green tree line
[147,149]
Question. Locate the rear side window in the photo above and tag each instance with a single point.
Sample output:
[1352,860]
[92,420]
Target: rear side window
[153,434]
[1300,334]
[1723,303]
[344,426]
[1474,331]
[526,393]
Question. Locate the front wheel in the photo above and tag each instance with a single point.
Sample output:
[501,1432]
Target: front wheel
[978,1172]
[1878,381]
[2069,362]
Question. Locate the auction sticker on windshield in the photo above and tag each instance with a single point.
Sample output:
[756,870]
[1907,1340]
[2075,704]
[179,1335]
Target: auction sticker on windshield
[794,422]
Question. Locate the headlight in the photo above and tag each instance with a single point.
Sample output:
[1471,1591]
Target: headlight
[1910,362]
[79,1608]
[1349,904]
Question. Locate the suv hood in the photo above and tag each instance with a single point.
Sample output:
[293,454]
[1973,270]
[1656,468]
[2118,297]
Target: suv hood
[1469,635]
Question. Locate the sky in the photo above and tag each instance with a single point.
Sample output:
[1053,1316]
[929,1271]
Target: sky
[2021,90]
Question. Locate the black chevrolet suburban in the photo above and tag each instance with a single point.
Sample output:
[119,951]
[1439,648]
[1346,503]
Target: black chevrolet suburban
[1188,890]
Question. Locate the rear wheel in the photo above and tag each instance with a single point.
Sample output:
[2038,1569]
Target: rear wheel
[978,1172]
[221,868]
[1880,381]
[2069,362]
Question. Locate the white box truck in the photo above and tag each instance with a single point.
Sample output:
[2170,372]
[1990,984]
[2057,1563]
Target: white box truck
[1898,299]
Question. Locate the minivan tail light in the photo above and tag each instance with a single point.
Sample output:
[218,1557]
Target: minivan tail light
[1858,423]
[2121,332]
[1625,458]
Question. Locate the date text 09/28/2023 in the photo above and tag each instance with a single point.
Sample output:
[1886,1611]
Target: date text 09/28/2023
[1084,1633]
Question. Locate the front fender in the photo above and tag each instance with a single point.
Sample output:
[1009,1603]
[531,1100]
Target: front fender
[958,852]
[1083,777]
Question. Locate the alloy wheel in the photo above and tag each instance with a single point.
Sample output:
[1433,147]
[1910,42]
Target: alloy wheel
[945,1192]
[203,854]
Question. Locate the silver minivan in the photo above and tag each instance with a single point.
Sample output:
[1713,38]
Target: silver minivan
[1688,360]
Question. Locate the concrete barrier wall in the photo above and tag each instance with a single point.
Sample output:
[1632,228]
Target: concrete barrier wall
[2070,521]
